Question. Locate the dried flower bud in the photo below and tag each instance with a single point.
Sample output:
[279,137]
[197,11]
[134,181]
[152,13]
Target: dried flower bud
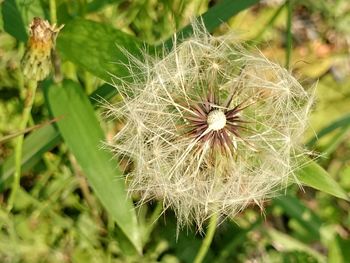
[37,59]
[210,127]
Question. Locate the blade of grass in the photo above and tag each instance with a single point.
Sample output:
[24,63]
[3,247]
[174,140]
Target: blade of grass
[339,250]
[271,21]
[203,250]
[339,123]
[289,37]
[284,242]
[220,13]
[83,135]
[330,147]
[294,208]
[315,176]
[215,16]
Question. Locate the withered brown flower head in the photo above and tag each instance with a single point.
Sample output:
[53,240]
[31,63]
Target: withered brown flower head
[37,59]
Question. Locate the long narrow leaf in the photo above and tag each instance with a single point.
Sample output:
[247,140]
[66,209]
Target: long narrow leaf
[315,176]
[286,243]
[218,14]
[342,122]
[293,207]
[82,133]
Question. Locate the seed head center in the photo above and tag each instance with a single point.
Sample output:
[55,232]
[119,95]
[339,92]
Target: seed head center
[216,120]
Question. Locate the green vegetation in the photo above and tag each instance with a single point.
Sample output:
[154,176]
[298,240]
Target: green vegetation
[71,205]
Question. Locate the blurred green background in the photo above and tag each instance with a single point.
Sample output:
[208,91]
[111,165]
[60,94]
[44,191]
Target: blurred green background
[65,211]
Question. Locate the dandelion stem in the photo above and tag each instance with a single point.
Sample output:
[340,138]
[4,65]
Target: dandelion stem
[289,32]
[207,240]
[28,103]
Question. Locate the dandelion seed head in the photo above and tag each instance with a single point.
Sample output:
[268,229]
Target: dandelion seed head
[210,127]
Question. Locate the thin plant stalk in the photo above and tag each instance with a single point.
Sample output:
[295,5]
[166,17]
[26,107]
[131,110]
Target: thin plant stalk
[269,23]
[203,250]
[152,222]
[27,130]
[28,104]
[53,12]
[289,33]
[55,58]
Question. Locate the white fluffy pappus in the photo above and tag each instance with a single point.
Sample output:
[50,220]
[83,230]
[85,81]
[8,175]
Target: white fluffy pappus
[209,127]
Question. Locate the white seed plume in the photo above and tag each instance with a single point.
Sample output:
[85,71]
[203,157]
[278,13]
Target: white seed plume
[209,127]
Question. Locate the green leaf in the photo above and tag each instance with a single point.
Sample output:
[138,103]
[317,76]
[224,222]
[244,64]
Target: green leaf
[216,15]
[83,135]
[339,251]
[342,122]
[237,238]
[315,176]
[97,47]
[223,11]
[285,242]
[1,20]
[334,143]
[13,22]
[97,5]
[305,217]
[105,92]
